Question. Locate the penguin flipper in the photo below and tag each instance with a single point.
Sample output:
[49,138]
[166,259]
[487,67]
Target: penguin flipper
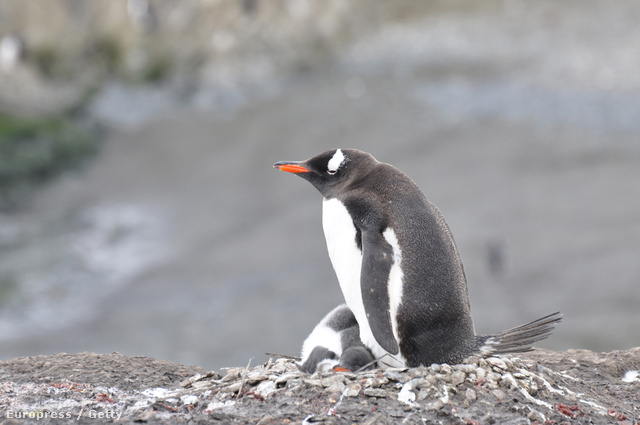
[377,259]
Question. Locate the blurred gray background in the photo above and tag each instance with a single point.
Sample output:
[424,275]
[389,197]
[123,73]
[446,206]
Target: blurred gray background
[177,239]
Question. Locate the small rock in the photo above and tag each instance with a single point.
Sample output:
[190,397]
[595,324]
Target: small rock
[201,384]
[235,387]
[488,419]
[535,416]
[435,367]
[499,395]
[349,375]
[496,362]
[423,394]
[256,377]
[395,376]
[353,391]
[531,387]
[333,379]
[378,419]
[268,420]
[458,378]
[508,381]
[470,395]
[375,392]
[313,382]
[445,368]
[431,379]
[336,387]
[435,405]
[493,377]
[265,388]
[466,368]
[284,378]
[230,376]
[481,373]
[189,381]
[376,382]
[472,361]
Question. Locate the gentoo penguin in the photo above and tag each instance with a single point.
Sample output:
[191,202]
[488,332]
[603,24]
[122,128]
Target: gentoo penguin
[398,266]
[335,343]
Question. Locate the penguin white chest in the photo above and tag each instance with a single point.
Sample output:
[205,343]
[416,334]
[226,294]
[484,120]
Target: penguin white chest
[346,257]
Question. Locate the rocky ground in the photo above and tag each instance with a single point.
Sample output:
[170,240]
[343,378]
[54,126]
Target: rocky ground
[544,387]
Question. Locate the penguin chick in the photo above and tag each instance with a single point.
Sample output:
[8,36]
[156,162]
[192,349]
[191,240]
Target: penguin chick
[398,265]
[335,343]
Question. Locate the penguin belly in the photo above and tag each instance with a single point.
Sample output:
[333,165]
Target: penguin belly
[346,258]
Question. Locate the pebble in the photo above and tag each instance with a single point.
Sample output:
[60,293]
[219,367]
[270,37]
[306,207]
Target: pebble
[254,378]
[201,384]
[231,375]
[435,405]
[470,395]
[375,392]
[445,368]
[458,378]
[195,378]
[466,368]
[336,387]
[395,376]
[507,380]
[493,377]
[285,377]
[376,382]
[481,373]
[472,361]
[431,379]
[495,362]
[265,388]
[235,387]
[435,367]
[333,379]
[353,391]
[535,416]
[313,382]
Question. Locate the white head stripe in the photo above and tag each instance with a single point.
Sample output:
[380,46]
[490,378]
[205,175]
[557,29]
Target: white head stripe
[336,161]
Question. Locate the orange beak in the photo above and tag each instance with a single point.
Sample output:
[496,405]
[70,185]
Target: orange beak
[290,167]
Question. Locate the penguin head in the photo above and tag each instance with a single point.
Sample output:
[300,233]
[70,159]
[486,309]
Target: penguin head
[331,171]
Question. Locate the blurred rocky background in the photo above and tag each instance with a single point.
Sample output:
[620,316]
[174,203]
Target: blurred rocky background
[139,209]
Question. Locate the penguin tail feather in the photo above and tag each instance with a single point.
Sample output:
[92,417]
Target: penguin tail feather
[520,338]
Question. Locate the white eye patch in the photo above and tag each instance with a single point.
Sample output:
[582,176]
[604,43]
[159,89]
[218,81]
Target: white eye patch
[335,162]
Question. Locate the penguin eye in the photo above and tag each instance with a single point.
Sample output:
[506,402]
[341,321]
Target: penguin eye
[332,172]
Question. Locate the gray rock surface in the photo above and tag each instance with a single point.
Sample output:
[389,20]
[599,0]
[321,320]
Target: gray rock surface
[542,386]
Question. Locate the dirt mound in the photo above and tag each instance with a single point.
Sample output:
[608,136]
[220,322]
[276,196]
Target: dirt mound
[538,387]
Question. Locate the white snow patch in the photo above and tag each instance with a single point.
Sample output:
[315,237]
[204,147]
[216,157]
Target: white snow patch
[406,394]
[219,404]
[631,376]
[157,392]
[189,399]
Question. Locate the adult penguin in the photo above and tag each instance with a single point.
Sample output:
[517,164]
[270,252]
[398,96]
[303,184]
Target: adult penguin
[398,266]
